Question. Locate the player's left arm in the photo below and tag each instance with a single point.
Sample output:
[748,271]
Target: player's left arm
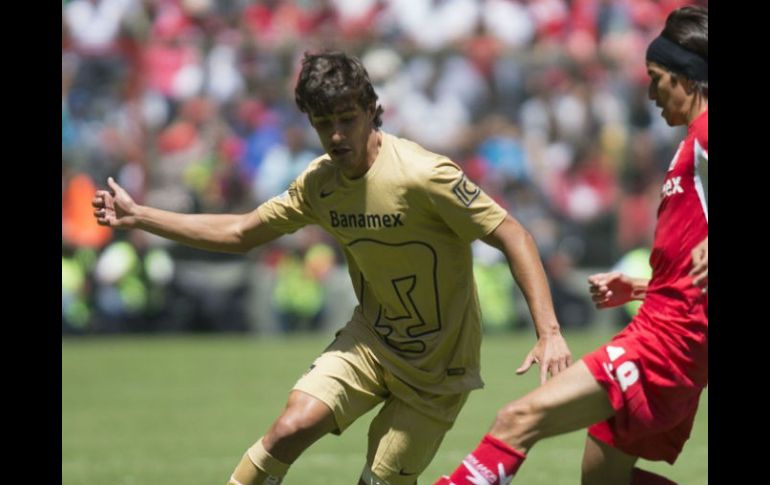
[518,246]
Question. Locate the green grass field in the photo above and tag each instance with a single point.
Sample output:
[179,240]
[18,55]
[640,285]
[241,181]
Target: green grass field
[182,410]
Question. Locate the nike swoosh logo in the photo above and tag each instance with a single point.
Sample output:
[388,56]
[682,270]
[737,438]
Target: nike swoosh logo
[405,474]
[326,194]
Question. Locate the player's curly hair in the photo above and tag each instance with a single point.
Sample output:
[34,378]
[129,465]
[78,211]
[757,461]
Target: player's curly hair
[328,77]
[689,27]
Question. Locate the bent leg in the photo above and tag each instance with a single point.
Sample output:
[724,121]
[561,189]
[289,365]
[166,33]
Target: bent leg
[570,401]
[605,465]
[303,421]
[403,440]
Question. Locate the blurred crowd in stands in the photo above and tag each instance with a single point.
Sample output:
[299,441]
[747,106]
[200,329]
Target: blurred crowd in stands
[189,105]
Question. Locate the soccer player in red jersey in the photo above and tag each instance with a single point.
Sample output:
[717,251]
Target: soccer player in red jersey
[638,394]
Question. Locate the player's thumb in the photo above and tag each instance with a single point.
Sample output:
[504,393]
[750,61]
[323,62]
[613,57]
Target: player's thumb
[113,185]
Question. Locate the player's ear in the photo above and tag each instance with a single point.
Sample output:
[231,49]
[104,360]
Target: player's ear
[689,86]
[673,79]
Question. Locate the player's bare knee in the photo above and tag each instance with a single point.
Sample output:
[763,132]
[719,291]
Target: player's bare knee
[291,426]
[517,424]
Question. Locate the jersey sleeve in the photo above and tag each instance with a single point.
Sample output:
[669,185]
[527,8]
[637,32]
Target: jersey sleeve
[465,208]
[290,210]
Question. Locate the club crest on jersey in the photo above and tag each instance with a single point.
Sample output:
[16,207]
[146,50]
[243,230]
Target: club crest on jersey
[466,191]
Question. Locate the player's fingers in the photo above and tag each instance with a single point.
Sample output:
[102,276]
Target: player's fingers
[563,364]
[525,365]
[698,280]
[551,371]
[697,268]
[597,279]
[701,279]
[596,282]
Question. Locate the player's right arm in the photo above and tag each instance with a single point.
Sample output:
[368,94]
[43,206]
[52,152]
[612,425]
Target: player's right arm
[231,233]
[614,289]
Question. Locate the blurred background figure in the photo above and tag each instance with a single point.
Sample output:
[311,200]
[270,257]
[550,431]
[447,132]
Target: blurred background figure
[189,105]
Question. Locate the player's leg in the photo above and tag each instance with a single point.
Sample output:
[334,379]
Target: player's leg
[605,462]
[605,465]
[643,477]
[404,440]
[303,421]
[572,400]
[342,384]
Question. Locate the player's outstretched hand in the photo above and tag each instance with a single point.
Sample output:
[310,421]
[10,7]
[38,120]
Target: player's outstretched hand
[553,355]
[114,209]
[610,289]
[700,265]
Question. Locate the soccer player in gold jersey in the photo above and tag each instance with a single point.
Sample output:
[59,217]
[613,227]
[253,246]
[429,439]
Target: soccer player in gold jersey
[405,219]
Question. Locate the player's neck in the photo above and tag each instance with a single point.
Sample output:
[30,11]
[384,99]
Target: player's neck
[373,144]
[699,106]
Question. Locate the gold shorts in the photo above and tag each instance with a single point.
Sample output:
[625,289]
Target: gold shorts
[406,433]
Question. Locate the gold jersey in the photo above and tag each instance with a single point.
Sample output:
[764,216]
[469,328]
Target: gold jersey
[405,228]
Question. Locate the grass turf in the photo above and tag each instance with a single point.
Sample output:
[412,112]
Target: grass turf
[165,410]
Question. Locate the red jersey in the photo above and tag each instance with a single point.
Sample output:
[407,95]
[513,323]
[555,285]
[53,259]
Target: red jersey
[682,223]
[655,369]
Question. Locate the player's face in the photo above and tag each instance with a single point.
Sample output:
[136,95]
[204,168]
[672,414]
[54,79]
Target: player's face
[668,92]
[344,134]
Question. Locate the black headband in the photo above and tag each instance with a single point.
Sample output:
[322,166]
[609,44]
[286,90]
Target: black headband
[677,59]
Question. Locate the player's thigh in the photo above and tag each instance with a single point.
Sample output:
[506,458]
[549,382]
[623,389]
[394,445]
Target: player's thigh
[605,465]
[403,441]
[346,380]
[569,401]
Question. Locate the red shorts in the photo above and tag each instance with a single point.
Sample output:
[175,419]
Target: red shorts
[650,387]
